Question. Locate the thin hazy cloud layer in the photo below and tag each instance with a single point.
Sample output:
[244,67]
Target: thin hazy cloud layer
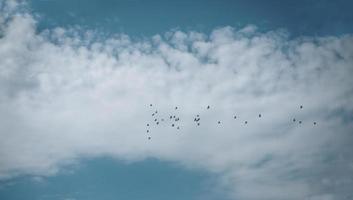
[68,94]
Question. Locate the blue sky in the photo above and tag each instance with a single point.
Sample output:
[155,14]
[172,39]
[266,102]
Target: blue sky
[141,18]
[77,78]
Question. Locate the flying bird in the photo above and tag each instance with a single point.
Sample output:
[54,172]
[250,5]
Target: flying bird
[208,107]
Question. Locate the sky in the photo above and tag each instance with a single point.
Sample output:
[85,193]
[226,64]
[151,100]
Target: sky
[77,79]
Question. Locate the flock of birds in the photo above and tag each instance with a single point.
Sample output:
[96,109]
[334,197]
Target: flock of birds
[175,120]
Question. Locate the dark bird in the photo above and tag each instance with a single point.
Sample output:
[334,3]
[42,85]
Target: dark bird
[176,107]
[153,114]
[148,124]
[172,125]
[178,127]
[148,131]
[208,107]
[259,115]
[194,119]
[219,122]
[174,116]
[246,122]
[197,115]
[294,119]
[157,123]
[300,122]
[155,120]
[156,112]
[235,117]
[314,123]
[301,107]
[198,124]
[150,104]
[170,117]
[149,138]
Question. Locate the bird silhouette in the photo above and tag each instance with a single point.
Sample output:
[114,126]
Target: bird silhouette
[246,122]
[208,107]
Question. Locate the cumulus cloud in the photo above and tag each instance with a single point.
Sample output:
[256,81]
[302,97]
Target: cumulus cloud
[67,94]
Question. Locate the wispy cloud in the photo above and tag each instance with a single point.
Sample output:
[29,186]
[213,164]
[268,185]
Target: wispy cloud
[66,94]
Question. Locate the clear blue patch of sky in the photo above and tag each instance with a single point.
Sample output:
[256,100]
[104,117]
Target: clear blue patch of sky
[108,179]
[146,18]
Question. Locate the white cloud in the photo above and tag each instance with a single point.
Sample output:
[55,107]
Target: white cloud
[63,97]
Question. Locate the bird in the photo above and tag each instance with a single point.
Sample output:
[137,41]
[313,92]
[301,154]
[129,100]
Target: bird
[198,124]
[148,131]
[246,122]
[301,106]
[314,123]
[208,107]
[155,120]
[197,115]
[178,127]
[300,122]
[293,119]
[156,112]
[259,115]
[148,124]
[150,104]
[149,138]
[153,114]
[172,125]
[174,116]
[235,116]
[170,117]
[176,107]
[157,123]
[219,122]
